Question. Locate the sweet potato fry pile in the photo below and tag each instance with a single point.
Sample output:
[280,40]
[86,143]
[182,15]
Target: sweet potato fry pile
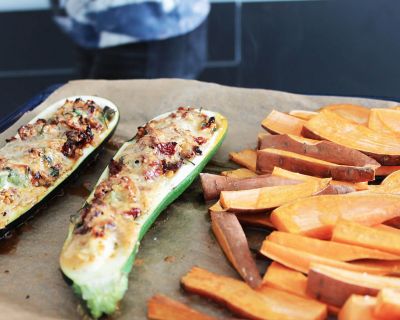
[335,242]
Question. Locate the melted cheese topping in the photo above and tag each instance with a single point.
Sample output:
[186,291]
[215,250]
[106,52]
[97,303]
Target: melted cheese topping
[139,177]
[45,151]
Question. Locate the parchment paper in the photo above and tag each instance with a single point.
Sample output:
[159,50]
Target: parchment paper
[31,285]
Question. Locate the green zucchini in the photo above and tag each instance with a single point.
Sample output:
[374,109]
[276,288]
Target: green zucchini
[100,276]
[17,170]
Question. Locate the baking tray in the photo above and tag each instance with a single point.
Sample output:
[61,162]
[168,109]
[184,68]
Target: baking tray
[31,283]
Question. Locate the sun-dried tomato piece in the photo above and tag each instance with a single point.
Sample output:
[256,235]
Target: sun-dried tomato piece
[76,140]
[133,212]
[115,167]
[167,148]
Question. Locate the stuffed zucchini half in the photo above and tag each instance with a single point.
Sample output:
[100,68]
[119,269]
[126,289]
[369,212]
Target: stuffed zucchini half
[144,177]
[47,150]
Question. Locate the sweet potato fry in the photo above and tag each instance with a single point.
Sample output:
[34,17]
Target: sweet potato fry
[298,176]
[233,242]
[358,307]
[316,216]
[256,219]
[387,228]
[282,278]
[279,172]
[322,150]
[392,266]
[301,260]
[351,112]
[259,200]
[246,158]
[280,123]
[269,158]
[385,306]
[357,234]
[384,171]
[384,120]
[160,307]
[303,114]
[384,148]
[388,304]
[328,249]
[213,184]
[240,173]
[246,302]
[216,207]
[335,285]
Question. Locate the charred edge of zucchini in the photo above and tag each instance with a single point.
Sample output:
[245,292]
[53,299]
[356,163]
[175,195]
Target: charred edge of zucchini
[172,196]
[37,207]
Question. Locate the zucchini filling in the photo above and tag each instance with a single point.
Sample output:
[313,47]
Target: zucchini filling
[46,150]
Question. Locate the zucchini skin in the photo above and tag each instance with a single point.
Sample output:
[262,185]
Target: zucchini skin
[74,174]
[105,301]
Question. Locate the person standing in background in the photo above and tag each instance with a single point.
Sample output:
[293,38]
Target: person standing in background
[118,39]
